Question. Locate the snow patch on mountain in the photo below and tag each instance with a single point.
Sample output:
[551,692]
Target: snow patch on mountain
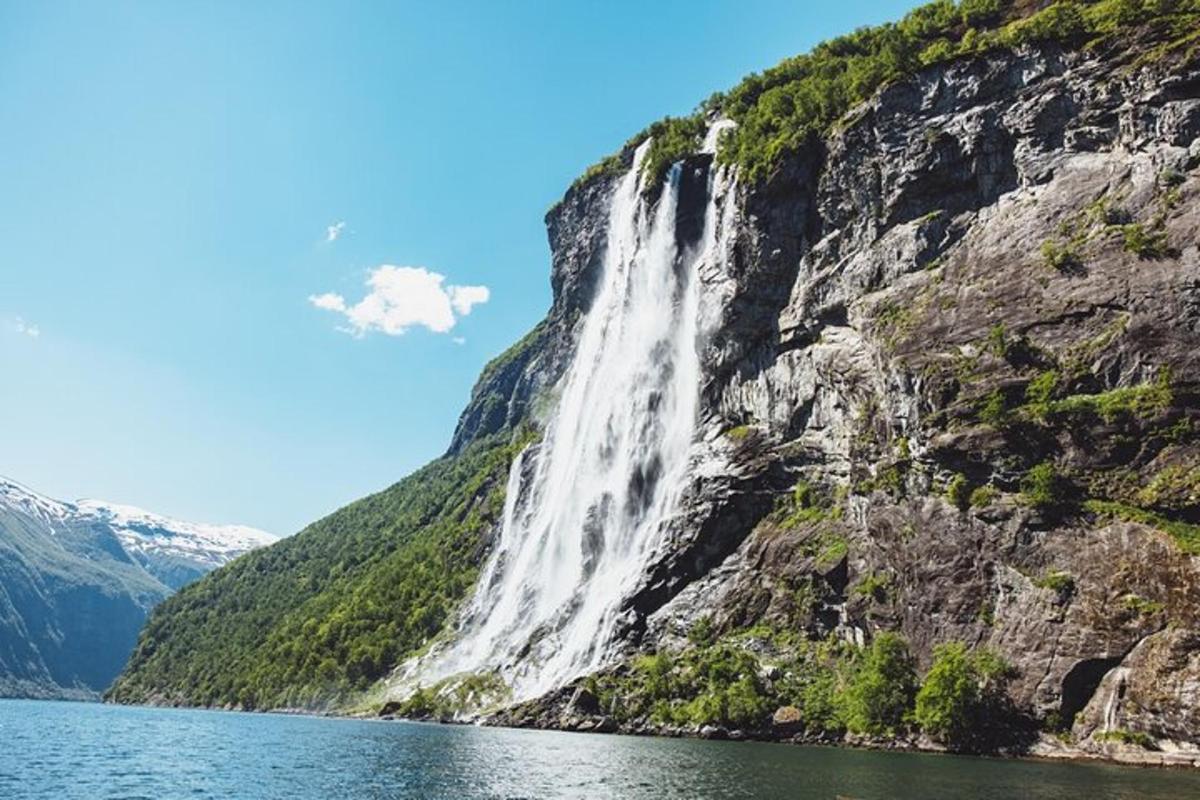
[142,533]
[145,533]
[22,499]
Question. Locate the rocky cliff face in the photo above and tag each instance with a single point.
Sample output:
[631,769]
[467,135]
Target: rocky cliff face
[967,326]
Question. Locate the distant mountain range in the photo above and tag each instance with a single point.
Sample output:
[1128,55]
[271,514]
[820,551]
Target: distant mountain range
[77,580]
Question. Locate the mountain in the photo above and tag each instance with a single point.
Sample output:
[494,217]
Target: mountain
[866,410]
[174,552]
[77,580]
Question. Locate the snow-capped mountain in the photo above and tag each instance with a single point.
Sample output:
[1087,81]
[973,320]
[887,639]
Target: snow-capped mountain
[20,498]
[77,580]
[158,542]
[173,551]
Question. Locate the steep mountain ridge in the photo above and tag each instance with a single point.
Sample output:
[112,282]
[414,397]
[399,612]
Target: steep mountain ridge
[949,393]
[173,551]
[79,579]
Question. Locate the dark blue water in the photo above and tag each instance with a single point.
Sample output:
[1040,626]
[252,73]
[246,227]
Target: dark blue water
[74,750]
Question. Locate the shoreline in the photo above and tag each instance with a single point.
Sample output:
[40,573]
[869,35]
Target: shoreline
[1046,749]
[1043,751]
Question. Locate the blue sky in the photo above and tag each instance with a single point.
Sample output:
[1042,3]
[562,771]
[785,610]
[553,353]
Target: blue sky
[170,173]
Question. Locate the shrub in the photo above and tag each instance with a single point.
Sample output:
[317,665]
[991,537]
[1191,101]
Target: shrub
[1060,257]
[959,699]
[1140,605]
[880,692]
[930,19]
[1144,401]
[977,12]
[1135,738]
[874,586]
[941,50]
[1171,178]
[1057,581]
[715,684]
[1144,242]
[945,704]
[831,547]
[958,492]
[1042,486]
[421,703]
[1040,391]
[1177,486]
[994,410]
[806,503]
[655,672]
[1058,22]
[453,696]
[983,496]
[740,433]
[819,703]
[728,689]
[997,340]
[1111,13]
[701,633]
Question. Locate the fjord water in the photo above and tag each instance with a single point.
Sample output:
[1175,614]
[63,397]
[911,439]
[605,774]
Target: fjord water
[78,751]
[585,506]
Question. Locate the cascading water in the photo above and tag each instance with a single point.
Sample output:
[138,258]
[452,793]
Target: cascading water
[585,508]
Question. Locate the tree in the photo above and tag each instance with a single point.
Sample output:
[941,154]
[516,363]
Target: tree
[963,698]
[881,690]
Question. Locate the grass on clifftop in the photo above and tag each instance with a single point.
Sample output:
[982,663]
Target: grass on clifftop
[803,98]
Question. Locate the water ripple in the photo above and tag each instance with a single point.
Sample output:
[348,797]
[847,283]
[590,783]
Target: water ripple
[74,751]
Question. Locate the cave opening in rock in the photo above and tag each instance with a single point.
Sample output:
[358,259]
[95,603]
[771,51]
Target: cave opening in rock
[1080,684]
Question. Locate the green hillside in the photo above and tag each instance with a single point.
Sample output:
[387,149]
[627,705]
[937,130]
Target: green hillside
[328,611]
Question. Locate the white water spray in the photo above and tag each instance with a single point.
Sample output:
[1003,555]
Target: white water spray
[585,509]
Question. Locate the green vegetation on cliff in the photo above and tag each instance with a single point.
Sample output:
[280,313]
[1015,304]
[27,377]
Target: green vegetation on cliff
[963,694]
[760,677]
[325,613]
[801,99]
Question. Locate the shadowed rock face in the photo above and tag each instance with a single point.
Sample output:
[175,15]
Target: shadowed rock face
[899,293]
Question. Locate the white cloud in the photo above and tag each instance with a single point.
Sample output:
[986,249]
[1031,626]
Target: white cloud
[402,297]
[328,301]
[332,232]
[26,328]
[459,340]
[463,297]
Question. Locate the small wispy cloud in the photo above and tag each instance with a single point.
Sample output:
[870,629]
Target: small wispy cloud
[24,328]
[459,340]
[328,301]
[403,297]
[334,231]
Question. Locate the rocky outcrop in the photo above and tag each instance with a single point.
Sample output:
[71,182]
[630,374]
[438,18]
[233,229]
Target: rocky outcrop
[505,394]
[970,321]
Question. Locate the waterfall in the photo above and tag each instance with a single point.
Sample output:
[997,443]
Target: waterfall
[586,506]
[1116,692]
